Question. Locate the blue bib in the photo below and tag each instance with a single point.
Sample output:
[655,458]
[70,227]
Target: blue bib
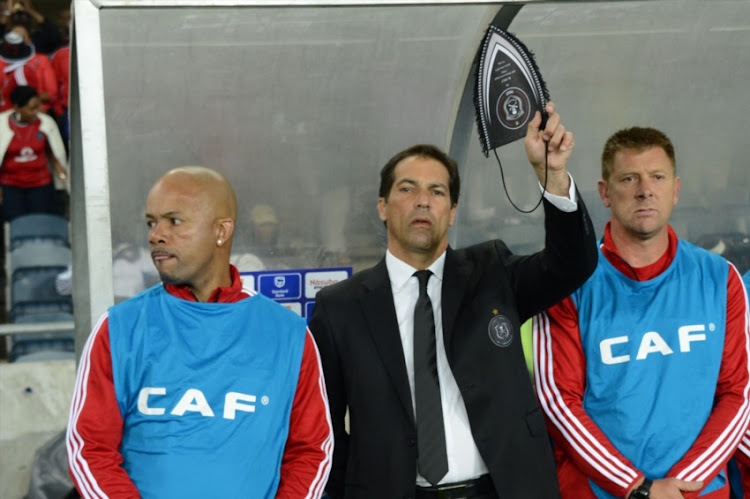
[653,352]
[205,391]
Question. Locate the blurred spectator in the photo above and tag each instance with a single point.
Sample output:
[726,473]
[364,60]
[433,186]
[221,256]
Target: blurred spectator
[14,56]
[274,249]
[132,272]
[63,24]
[734,246]
[44,34]
[265,226]
[61,66]
[29,144]
[247,262]
[46,81]
[64,282]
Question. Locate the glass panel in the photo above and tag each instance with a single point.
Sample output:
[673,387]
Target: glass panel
[299,107]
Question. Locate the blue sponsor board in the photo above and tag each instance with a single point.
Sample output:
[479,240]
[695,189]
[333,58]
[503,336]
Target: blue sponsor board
[281,286]
[294,288]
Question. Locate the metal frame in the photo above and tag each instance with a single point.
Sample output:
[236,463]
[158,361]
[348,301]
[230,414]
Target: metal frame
[287,3]
[91,239]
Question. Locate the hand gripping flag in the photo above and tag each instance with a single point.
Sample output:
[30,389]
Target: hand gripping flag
[508,91]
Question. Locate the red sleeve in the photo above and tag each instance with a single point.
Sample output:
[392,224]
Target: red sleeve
[46,80]
[95,426]
[743,451]
[309,446]
[728,421]
[61,65]
[560,376]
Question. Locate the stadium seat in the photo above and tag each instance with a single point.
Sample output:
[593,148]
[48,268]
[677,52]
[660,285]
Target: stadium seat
[38,254]
[33,268]
[49,345]
[33,292]
[38,227]
[54,345]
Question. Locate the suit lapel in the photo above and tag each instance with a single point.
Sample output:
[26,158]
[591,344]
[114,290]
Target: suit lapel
[456,274]
[377,302]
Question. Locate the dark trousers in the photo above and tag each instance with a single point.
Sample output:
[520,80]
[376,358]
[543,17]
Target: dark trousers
[18,201]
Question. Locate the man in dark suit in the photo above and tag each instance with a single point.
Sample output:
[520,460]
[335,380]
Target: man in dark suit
[489,440]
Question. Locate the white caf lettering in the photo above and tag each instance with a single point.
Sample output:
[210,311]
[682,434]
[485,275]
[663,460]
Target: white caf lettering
[652,342]
[193,400]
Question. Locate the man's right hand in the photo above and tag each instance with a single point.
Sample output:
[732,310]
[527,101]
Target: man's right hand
[548,151]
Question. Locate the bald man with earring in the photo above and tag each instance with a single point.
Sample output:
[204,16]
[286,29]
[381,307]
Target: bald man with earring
[198,387]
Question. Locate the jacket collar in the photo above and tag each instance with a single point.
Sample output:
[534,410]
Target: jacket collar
[609,250]
[227,294]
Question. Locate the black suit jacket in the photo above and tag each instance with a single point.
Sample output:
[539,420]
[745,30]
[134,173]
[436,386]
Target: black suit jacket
[354,324]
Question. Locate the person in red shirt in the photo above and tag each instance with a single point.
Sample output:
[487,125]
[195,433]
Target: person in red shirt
[46,81]
[15,55]
[61,65]
[29,143]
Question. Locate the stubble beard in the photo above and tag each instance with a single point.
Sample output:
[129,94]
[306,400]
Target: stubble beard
[423,241]
[168,278]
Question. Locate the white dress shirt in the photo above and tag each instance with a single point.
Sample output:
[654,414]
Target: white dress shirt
[464,460]
[567,204]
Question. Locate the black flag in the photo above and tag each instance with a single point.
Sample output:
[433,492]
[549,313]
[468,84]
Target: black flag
[509,89]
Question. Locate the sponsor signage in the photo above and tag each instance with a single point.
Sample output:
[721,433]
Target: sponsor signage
[294,288]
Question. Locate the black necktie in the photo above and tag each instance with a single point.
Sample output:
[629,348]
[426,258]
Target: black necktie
[433,461]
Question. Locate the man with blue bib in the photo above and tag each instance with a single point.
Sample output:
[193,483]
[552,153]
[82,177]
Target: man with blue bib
[198,387]
[643,371]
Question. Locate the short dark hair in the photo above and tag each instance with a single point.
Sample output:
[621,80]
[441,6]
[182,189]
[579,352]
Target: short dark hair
[421,151]
[636,139]
[22,94]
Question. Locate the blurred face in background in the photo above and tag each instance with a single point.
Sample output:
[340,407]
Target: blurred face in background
[264,225]
[29,112]
[266,234]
